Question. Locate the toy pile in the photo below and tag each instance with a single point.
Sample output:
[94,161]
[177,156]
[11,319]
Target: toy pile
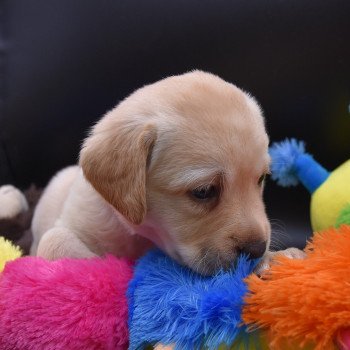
[110,303]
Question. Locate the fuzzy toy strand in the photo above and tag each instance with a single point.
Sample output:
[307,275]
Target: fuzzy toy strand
[305,300]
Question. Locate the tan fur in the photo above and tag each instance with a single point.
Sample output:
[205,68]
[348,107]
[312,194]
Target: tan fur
[115,164]
[143,159]
[51,203]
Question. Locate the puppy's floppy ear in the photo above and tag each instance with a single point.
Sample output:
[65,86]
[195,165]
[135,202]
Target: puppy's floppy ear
[114,160]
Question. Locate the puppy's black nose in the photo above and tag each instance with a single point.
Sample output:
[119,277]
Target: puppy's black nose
[254,249]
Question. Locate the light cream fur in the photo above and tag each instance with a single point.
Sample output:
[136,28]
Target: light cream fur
[138,169]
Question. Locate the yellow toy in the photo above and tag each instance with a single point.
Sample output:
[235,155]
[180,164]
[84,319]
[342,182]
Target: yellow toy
[332,199]
[8,252]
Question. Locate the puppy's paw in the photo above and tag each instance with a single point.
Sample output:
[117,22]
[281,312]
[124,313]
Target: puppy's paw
[164,347]
[12,202]
[266,261]
[60,242]
[291,253]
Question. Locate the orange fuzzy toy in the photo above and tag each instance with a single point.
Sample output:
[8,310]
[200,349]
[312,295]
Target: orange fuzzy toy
[305,301]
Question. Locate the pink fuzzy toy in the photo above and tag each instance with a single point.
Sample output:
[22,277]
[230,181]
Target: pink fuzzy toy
[65,304]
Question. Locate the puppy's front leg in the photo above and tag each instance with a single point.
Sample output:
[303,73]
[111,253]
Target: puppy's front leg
[59,242]
[292,253]
[164,347]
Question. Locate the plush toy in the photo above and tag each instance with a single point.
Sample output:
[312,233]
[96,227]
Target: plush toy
[8,252]
[170,304]
[16,212]
[330,192]
[306,301]
[13,202]
[65,304]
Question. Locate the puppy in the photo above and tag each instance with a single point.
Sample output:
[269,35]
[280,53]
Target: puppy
[180,164]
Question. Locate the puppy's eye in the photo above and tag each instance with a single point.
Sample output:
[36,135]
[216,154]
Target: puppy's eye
[261,179]
[205,193]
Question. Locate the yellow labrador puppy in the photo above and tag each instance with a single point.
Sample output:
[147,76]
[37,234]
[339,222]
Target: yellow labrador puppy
[179,164]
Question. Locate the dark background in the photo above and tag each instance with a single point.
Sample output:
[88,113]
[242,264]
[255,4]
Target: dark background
[64,63]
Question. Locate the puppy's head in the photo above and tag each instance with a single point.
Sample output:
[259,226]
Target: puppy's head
[185,159]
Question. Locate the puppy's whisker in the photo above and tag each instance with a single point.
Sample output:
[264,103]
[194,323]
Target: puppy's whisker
[277,245]
[199,262]
[277,223]
[278,234]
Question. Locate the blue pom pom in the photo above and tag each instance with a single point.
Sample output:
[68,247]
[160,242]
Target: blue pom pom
[284,155]
[170,304]
[291,164]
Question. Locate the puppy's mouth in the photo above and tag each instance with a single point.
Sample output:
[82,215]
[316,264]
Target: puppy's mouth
[211,262]
[208,264]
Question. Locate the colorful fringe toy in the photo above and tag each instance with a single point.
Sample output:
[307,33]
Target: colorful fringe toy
[306,301]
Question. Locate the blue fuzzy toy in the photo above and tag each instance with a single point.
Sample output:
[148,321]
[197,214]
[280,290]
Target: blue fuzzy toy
[170,304]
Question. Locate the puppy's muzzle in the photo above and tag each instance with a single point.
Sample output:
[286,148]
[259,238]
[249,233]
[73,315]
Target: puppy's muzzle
[253,249]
